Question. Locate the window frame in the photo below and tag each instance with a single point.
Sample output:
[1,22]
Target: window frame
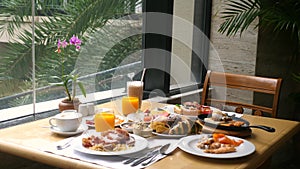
[202,21]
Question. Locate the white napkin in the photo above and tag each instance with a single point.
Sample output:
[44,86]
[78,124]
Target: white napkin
[111,161]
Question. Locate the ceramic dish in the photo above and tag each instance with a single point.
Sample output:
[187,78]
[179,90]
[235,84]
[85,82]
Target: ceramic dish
[189,145]
[140,144]
[69,133]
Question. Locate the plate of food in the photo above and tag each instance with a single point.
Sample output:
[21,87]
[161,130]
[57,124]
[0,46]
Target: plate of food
[109,143]
[223,121]
[193,109]
[216,146]
[189,109]
[172,126]
[89,121]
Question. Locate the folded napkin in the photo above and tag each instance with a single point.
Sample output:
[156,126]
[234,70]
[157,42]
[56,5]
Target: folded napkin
[111,161]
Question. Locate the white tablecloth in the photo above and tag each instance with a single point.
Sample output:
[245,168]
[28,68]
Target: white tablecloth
[111,161]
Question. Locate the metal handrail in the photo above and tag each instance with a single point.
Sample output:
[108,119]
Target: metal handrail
[49,87]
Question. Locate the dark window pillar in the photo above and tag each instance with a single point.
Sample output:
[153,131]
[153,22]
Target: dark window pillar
[157,42]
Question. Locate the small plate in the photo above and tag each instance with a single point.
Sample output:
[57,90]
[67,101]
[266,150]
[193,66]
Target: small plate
[67,133]
[168,135]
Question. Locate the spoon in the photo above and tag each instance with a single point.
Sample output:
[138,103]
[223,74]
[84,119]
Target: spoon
[162,151]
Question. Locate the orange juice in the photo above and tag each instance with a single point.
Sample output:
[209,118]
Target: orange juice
[104,121]
[129,105]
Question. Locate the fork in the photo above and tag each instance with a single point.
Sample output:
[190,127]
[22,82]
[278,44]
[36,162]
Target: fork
[65,145]
[149,153]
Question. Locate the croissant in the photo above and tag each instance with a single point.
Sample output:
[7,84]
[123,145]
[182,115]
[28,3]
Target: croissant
[182,127]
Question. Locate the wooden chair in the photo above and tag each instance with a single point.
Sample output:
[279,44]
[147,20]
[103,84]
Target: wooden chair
[242,82]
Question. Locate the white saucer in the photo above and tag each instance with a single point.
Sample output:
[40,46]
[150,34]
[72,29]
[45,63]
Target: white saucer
[67,133]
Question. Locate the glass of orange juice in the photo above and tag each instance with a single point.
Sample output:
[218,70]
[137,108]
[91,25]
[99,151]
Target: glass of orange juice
[129,105]
[104,120]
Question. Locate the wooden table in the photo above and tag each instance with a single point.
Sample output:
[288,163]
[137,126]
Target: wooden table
[26,139]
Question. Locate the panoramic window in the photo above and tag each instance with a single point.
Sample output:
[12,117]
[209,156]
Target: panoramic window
[107,33]
[99,44]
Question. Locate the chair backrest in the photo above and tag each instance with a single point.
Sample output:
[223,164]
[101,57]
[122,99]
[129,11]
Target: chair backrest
[242,82]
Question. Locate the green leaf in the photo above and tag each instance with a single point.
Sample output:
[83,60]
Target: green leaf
[238,16]
[82,89]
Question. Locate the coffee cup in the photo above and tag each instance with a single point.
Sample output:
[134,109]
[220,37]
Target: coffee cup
[67,121]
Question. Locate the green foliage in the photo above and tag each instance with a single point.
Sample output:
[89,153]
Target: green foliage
[68,79]
[117,54]
[80,17]
[279,15]
[239,15]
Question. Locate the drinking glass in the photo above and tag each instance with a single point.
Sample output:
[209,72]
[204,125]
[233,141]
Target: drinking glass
[104,120]
[135,89]
[129,105]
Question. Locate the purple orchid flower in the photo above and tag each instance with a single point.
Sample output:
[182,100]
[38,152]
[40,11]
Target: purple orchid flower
[75,41]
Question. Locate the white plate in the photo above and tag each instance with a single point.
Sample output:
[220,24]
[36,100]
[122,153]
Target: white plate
[168,135]
[140,144]
[67,133]
[170,109]
[189,145]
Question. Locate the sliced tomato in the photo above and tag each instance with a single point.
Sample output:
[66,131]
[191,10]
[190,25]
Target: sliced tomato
[205,109]
[238,142]
[226,140]
[216,136]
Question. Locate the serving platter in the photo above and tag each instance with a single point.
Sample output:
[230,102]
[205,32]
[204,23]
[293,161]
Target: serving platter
[189,145]
[243,127]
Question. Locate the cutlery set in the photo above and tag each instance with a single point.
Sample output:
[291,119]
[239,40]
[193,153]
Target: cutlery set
[152,153]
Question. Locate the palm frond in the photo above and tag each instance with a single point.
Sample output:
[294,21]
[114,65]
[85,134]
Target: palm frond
[282,16]
[238,16]
[13,13]
[81,17]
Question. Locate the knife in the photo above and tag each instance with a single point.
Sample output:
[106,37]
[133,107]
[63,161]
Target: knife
[146,157]
[149,152]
